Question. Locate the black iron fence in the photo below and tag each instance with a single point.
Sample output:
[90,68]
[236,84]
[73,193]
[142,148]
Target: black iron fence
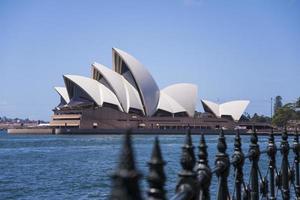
[194,180]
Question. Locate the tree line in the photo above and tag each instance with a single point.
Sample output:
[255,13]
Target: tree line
[283,113]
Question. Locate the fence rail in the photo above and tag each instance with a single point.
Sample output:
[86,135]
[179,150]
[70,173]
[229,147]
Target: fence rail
[194,179]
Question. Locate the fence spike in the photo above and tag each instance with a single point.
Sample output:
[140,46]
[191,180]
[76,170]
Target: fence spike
[238,157]
[188,156]
[187,177]
[204,174]
[254,153]
[223,167]
[125,180]
[296,148]
[285,165]
[237,141]
[156,177]
[272,149]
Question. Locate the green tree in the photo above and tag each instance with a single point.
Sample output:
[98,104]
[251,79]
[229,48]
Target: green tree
[298,102]
[255,117]
[260,118]
[277,103]
[283,115]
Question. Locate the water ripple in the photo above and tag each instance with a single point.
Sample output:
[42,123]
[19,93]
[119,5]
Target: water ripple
[79,167]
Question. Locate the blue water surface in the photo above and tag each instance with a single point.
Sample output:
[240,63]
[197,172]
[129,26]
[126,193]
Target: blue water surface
[79,166]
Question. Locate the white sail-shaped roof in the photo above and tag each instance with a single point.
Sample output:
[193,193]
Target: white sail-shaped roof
[139,77]
[185,94]
[168,104]
[133,97]
[115,81]
[98,92]
[211,107]
[62,91]
[125,92]
[130,87]
[233,108]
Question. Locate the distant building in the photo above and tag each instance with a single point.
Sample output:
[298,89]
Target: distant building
[127,96]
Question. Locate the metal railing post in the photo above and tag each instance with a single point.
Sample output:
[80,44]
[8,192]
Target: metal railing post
[285,166]
[296,149]
[156,177]
[203,171]
[238,158]
[272,149]
[125,180]
[254,153]
[195,181]
[222,164]
[187,184]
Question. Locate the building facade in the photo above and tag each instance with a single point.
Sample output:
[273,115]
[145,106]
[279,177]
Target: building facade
[127,96]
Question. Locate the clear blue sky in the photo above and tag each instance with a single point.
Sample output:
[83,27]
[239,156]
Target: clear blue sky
[232,49]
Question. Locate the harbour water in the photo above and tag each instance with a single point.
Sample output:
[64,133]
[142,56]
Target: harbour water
[79,166]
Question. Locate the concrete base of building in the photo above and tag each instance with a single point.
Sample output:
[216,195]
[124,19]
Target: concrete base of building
[31,131]
[139,131]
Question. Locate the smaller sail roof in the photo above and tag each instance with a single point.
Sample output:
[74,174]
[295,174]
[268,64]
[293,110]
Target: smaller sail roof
[168,104]
[115,81]
[62,91]
[233,108]
[185,94]
[133,97]
[125,92]
[97,91]
[211,107]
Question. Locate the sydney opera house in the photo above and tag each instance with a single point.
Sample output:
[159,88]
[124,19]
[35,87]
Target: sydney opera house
[127,96]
